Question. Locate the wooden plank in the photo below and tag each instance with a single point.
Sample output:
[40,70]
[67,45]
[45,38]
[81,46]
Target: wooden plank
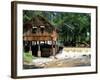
[37,38]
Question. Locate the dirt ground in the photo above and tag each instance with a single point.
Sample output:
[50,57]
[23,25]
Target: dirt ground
[74,58]
[55,63]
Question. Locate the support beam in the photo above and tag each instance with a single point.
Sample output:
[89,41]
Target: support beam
[39,51]
[30,50]
[53,48]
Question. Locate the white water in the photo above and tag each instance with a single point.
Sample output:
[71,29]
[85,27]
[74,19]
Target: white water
[71,54]
[61,55]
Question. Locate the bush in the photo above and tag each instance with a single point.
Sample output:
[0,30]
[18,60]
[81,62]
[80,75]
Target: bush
[28,57]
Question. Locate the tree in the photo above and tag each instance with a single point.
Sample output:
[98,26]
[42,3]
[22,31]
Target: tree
[73,27]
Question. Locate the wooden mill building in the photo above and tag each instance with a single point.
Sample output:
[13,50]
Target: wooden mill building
[39,31]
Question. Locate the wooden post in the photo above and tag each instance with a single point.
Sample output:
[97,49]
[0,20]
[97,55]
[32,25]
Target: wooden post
[39,51]
[36,42]
[54,38]
[53,48]
[30,50]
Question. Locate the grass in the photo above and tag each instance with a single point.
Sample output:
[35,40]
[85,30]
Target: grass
[28,57]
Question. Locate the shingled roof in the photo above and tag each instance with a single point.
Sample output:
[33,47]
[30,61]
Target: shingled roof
[38,21]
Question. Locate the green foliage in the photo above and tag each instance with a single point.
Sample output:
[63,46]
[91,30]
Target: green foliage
[28,57]
[71,26]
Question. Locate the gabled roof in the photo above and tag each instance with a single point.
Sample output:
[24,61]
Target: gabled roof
[38,21]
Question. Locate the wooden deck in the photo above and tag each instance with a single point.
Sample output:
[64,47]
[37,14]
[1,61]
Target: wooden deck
[38,37]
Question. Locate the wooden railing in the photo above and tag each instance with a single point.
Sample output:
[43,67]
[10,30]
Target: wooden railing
[37,37]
